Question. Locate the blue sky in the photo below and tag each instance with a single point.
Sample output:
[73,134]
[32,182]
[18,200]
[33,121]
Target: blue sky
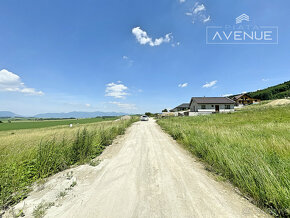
[131,56]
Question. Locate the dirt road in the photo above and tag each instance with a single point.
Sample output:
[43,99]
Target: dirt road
[143,174]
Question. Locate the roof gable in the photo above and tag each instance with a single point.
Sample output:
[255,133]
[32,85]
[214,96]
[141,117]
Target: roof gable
[184,105]
[241,95]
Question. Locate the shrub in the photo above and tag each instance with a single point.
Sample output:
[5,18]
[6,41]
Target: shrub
[82,146]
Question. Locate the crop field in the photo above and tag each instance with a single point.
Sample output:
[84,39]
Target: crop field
[250,148]
[31,124]
[29,155]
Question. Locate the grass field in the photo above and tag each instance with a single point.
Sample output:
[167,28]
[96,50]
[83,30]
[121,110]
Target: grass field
[250,148]
[31,124]
[29,155]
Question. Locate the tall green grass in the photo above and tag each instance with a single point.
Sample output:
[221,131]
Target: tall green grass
[251,148]
[19,169]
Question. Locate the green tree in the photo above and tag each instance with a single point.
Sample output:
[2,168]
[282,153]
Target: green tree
[149,114]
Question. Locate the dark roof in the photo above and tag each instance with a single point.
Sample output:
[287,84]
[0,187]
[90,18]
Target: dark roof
[186,105]
[238,96]
[212,100]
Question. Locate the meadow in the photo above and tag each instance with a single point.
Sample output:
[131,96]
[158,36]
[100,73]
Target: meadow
[30,155]
[250,148]
[39,123]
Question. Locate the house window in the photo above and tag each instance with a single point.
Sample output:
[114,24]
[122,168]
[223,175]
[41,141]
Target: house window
[228,106]
[202,106]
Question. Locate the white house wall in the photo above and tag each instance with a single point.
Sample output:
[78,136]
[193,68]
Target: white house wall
[192,105]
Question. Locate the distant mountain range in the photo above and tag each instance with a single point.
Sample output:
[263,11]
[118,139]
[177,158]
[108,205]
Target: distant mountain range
[74,114]
[8,114]
[79,114]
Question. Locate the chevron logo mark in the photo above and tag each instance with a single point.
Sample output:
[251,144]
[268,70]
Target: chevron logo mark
[242,17]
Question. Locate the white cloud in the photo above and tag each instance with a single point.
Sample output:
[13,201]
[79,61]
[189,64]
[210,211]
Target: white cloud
[209,84]
[198,13]
[183,85]
[11,82]
[144,39]
[265,80]
[31,91]
[227,95]
[175,44]
[116,90]
[128,60]
[124,105]
[9,78]
[88,105]
[182,1]
[198,8]
[206,19]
